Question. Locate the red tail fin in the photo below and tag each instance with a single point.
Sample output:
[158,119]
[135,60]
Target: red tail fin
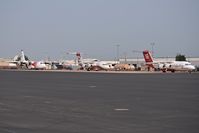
[79,59]
[148,59]
[78,55]
[147,56]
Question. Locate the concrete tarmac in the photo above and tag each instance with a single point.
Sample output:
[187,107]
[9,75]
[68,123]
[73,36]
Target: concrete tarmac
[51,102]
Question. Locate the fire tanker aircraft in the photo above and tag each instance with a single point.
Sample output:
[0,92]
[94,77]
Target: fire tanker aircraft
[167,66]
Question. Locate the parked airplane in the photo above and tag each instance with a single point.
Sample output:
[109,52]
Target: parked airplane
[101,65]
[23,62]
[94,64]
[167,66]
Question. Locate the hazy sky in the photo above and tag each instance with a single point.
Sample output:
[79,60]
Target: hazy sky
[53,27]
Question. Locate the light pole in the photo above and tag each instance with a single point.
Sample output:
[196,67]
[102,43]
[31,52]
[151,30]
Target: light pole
[125,57]
[117,46]
[137,51]
[152,45]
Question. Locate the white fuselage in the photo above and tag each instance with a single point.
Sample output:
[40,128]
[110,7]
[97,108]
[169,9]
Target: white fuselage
[175,66]
[38,65]
[104,65]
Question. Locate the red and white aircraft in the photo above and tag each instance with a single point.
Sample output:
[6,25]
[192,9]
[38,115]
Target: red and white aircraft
[167,66]
[94,64]
[37,65]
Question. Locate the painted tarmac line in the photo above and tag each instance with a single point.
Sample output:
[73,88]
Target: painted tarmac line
[121,109]
[92,86]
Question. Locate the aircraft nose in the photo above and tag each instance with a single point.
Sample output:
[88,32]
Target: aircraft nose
[194,68]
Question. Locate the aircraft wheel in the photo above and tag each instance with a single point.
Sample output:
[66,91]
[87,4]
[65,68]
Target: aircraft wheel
[172,71]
